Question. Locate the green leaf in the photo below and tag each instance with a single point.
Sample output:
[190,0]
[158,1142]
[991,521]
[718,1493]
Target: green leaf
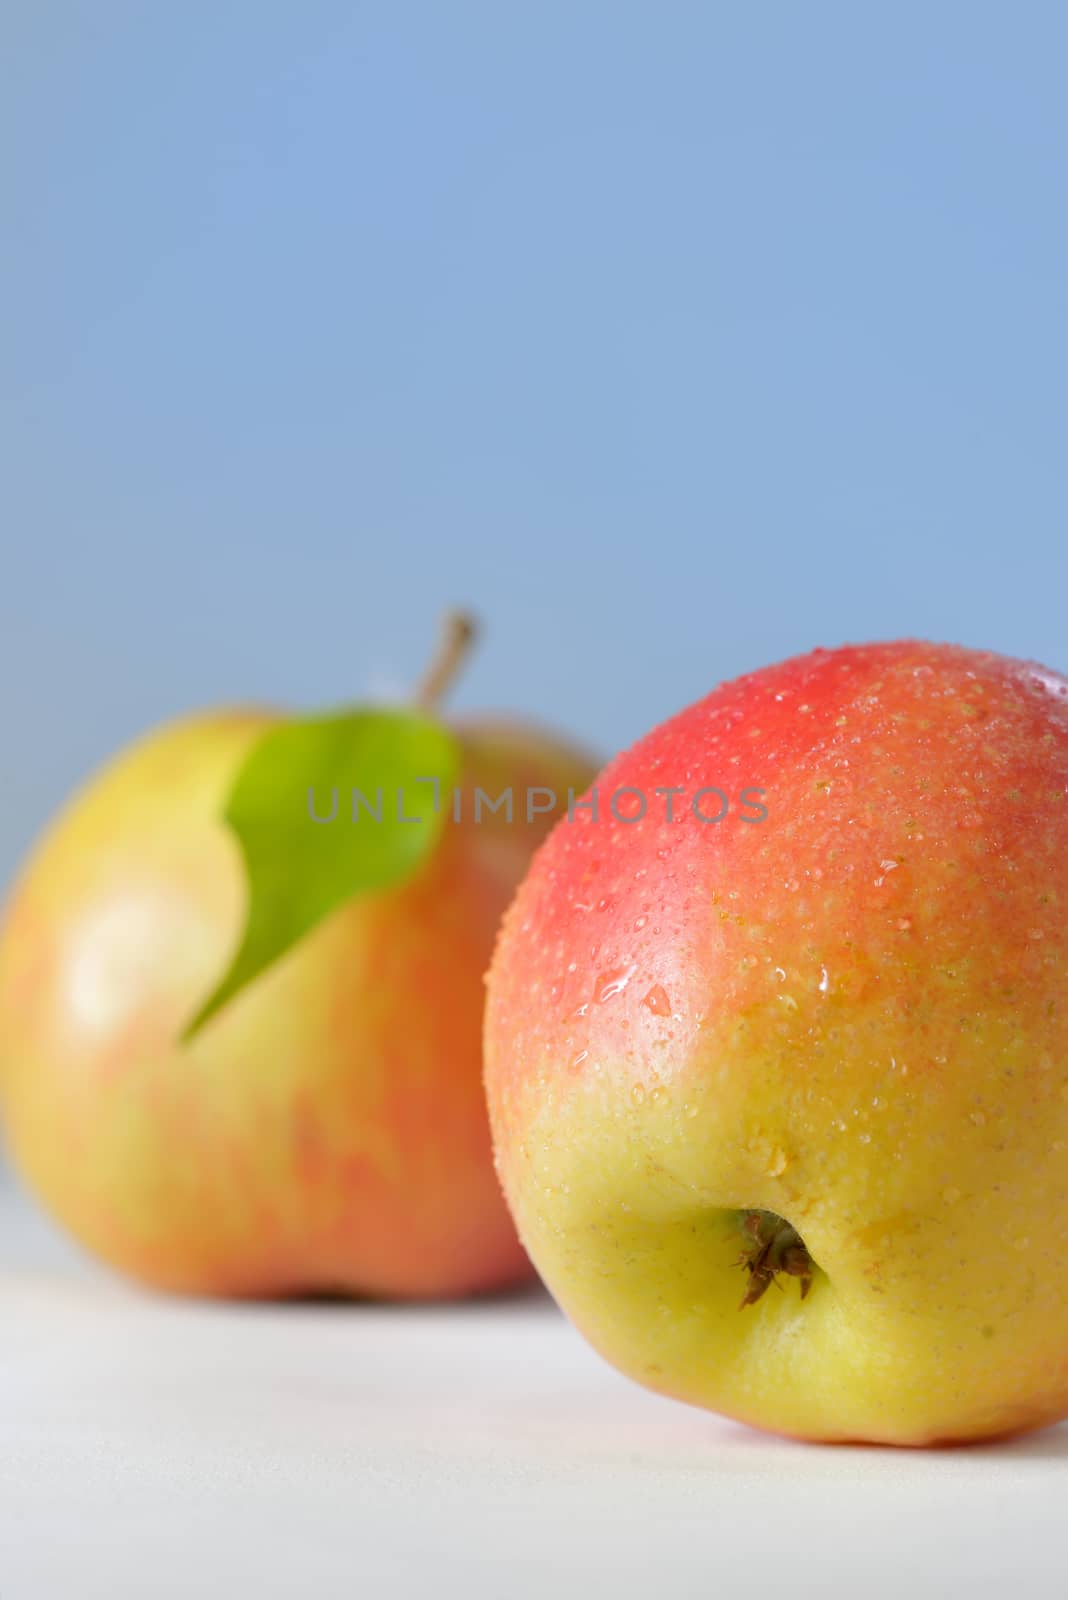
[378,781]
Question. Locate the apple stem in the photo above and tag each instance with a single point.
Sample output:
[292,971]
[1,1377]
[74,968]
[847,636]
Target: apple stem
[458,633]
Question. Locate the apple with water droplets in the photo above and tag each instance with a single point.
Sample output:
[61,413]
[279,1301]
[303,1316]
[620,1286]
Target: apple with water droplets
[780,1102]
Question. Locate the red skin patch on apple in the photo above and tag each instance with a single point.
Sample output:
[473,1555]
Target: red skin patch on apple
[866,854]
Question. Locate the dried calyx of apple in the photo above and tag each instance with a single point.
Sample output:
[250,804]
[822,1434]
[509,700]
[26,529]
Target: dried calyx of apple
[772,1246]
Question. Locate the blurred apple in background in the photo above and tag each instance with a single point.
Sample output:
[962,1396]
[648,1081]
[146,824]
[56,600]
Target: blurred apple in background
[781,1107]
[321,1125]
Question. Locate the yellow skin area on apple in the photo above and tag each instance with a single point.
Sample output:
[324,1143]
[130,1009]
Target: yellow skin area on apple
[327,1130]
[853,1015]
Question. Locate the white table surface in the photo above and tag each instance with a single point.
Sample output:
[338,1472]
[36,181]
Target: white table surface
[152,1447]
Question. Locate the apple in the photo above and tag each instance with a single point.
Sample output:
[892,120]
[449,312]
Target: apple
[325,1130]
[780,1100]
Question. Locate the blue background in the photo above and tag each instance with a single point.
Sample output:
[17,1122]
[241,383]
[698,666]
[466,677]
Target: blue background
[674,338]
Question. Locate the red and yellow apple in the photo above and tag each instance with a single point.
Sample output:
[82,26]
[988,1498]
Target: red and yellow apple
[780,1102]
[326,1131]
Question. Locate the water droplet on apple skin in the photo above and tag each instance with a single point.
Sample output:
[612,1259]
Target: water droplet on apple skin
[611,984]
[657,1001]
